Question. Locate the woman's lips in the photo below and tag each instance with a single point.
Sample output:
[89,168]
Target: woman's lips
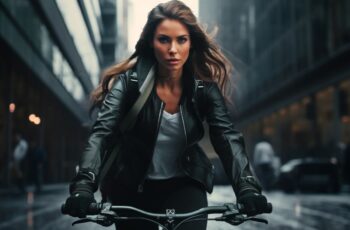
[173,61]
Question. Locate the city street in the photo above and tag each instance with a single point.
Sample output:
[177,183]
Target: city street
[291,211]
[263,87]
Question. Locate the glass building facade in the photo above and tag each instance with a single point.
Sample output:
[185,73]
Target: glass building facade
[50,60]
[294,84]
[34,29]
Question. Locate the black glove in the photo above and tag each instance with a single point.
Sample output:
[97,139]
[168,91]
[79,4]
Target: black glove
[82,190]
[78,203]
[253,203]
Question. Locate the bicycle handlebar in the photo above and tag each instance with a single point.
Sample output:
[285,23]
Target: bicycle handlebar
[107,214]
[96,208]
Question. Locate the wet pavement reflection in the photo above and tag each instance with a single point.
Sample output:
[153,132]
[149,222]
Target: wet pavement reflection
[298,211]
[291,211]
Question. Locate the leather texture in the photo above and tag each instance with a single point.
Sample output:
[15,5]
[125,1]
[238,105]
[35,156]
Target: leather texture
[196,105]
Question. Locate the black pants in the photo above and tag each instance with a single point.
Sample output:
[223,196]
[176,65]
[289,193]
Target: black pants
[181,194]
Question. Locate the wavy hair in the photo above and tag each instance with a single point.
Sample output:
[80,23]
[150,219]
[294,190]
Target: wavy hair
[206,61]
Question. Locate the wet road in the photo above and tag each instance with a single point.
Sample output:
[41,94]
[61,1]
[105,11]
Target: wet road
[291,211]
[296,211]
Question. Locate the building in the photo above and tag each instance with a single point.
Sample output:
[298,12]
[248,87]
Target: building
[295,87]
[52,53]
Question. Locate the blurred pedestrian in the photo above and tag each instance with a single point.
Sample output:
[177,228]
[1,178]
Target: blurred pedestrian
[17,161]
[338,158]
[265,164]
[346,165]
[160,164]
[36,158]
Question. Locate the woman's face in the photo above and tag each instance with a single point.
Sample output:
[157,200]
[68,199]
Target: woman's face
[171,45]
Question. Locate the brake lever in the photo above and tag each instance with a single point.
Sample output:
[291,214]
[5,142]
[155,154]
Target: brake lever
[101,220]
[108,213]
[239,219]
[232,212]
[261,220]
[81,221]
[235,220]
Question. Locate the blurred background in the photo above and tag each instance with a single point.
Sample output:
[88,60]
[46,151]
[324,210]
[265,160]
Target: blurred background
[291,93]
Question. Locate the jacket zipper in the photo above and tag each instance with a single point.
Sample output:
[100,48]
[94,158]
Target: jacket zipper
[188,158]
[184,127]
[183,124]
[162,105]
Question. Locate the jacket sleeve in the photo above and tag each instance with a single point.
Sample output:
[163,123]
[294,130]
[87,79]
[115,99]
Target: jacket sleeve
[228,143]
[104,129]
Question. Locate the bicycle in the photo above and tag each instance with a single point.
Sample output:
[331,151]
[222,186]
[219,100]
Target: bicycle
[106,215]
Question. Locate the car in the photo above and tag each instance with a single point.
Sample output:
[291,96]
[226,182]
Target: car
[309,175]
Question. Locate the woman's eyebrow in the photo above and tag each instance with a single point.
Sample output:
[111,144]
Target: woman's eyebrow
[164,35]
[184,35]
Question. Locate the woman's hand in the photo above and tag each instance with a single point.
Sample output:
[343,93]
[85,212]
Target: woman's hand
[77,204]
[254,203]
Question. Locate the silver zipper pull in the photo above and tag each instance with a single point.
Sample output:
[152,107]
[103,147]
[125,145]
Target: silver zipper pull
[140,188]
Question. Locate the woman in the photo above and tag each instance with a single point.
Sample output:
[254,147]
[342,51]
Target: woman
[161,165]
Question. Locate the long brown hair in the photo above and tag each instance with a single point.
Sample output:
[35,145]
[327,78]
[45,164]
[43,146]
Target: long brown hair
[206,61]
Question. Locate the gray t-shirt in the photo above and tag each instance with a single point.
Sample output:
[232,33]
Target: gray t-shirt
[170,144]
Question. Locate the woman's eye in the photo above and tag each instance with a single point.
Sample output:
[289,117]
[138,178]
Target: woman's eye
[182,40]
[163,39]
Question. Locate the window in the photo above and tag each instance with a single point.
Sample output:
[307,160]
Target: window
[319,29]
[301,46]
[340,22]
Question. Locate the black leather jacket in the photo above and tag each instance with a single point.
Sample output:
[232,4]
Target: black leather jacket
[200,101]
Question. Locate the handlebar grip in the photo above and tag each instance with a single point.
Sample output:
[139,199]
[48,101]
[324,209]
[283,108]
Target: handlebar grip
[94,209]
[268,208]
[64,210]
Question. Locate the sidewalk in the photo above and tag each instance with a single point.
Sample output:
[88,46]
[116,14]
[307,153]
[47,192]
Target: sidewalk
[34,211]
[20,210]
[46,188]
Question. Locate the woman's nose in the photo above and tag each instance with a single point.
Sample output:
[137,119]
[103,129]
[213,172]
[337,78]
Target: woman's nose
[172,48]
